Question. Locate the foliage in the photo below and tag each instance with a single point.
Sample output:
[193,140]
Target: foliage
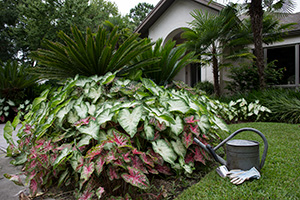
[210,34]
[94,54]
[284,104]
[109,136]
[15,81]
[39,20]
[240,111]
[205,86]
[172,59]
[139,13]
[244,78]
[283,154]
[9,109]
[8,18]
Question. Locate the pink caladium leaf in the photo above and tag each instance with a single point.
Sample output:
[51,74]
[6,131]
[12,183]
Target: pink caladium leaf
[99,165]
[2,118]
[189,158]
[110,156]
[190,120]
[147,159]
[96,150]
[99,192]
[80,163]
[136,178]
[152,170]
[112,173]
[14,178]
[84,121]
[87,171]
[136,152]
[156,136]
[160,126]
[138,164]
[205,137]
[164,169]
[187,139]
[27,129]
[87,195]
[198,155]
[33,187]
[156,157]
[195,129]
[119,139]
[118,163]
[126,157]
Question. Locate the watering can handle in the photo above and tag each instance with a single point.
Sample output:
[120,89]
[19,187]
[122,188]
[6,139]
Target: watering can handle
[263,158]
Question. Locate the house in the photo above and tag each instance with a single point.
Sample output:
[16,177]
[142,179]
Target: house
[168,18]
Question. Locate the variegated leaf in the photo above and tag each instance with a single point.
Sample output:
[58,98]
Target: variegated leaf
[91,129]
[162,148]
[129,121]
[136,178]
[177,128]
[178,105]
[179,148]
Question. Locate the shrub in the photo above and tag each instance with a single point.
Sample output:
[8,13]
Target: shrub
[205,86]
[108,136]
[245,77]
[95,54]
[15,82]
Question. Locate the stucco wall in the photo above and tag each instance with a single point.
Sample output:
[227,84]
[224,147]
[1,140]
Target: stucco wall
[169,24]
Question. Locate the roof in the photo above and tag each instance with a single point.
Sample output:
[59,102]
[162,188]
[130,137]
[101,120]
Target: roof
[161,7]
[292,18]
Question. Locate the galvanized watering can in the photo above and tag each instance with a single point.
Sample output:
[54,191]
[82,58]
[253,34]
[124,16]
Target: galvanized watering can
[241,154]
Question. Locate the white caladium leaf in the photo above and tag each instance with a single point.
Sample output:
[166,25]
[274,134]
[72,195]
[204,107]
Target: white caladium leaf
[185,166]
[149,130]
[177,128]
[94,93]
[220,123]
[84,141]
[105,116]
[91,129]
[167,153]
[72,117]
[178,105]
[179,148]
[129,121]
[81,110]
[203,123]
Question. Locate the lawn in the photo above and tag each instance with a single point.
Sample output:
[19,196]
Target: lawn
[280,174]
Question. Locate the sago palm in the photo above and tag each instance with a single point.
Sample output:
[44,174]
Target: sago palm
[94,54]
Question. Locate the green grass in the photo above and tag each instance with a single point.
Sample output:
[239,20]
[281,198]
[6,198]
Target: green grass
[280,174]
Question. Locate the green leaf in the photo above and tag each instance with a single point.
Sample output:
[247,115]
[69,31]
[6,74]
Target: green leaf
[178,105]
[177,127]
[104,116]
[129,121]
[179,148]
[62,177]
[91,129]
[16,120]
[167,153]
[149,130]
[8,131]
[64,154]
[220,123]
[20,160]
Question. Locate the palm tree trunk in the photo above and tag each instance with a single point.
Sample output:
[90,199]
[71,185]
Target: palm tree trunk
[256,16]
[215,72]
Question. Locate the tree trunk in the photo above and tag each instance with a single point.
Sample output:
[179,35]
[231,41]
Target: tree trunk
[215,72]
[256,16]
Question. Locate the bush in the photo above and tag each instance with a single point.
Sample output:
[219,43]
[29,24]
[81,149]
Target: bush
[109,136]
[245,77]
[205,86]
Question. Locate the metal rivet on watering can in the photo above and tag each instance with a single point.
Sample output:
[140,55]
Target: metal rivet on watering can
[241,154]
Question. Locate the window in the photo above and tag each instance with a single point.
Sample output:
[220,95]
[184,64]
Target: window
[287,59]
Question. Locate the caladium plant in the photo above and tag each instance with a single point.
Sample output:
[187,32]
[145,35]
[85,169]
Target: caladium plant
[105,134]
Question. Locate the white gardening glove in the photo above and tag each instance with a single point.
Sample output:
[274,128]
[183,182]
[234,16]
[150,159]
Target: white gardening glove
[239,176]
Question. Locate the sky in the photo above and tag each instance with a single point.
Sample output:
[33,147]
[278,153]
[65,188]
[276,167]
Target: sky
[124,6]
